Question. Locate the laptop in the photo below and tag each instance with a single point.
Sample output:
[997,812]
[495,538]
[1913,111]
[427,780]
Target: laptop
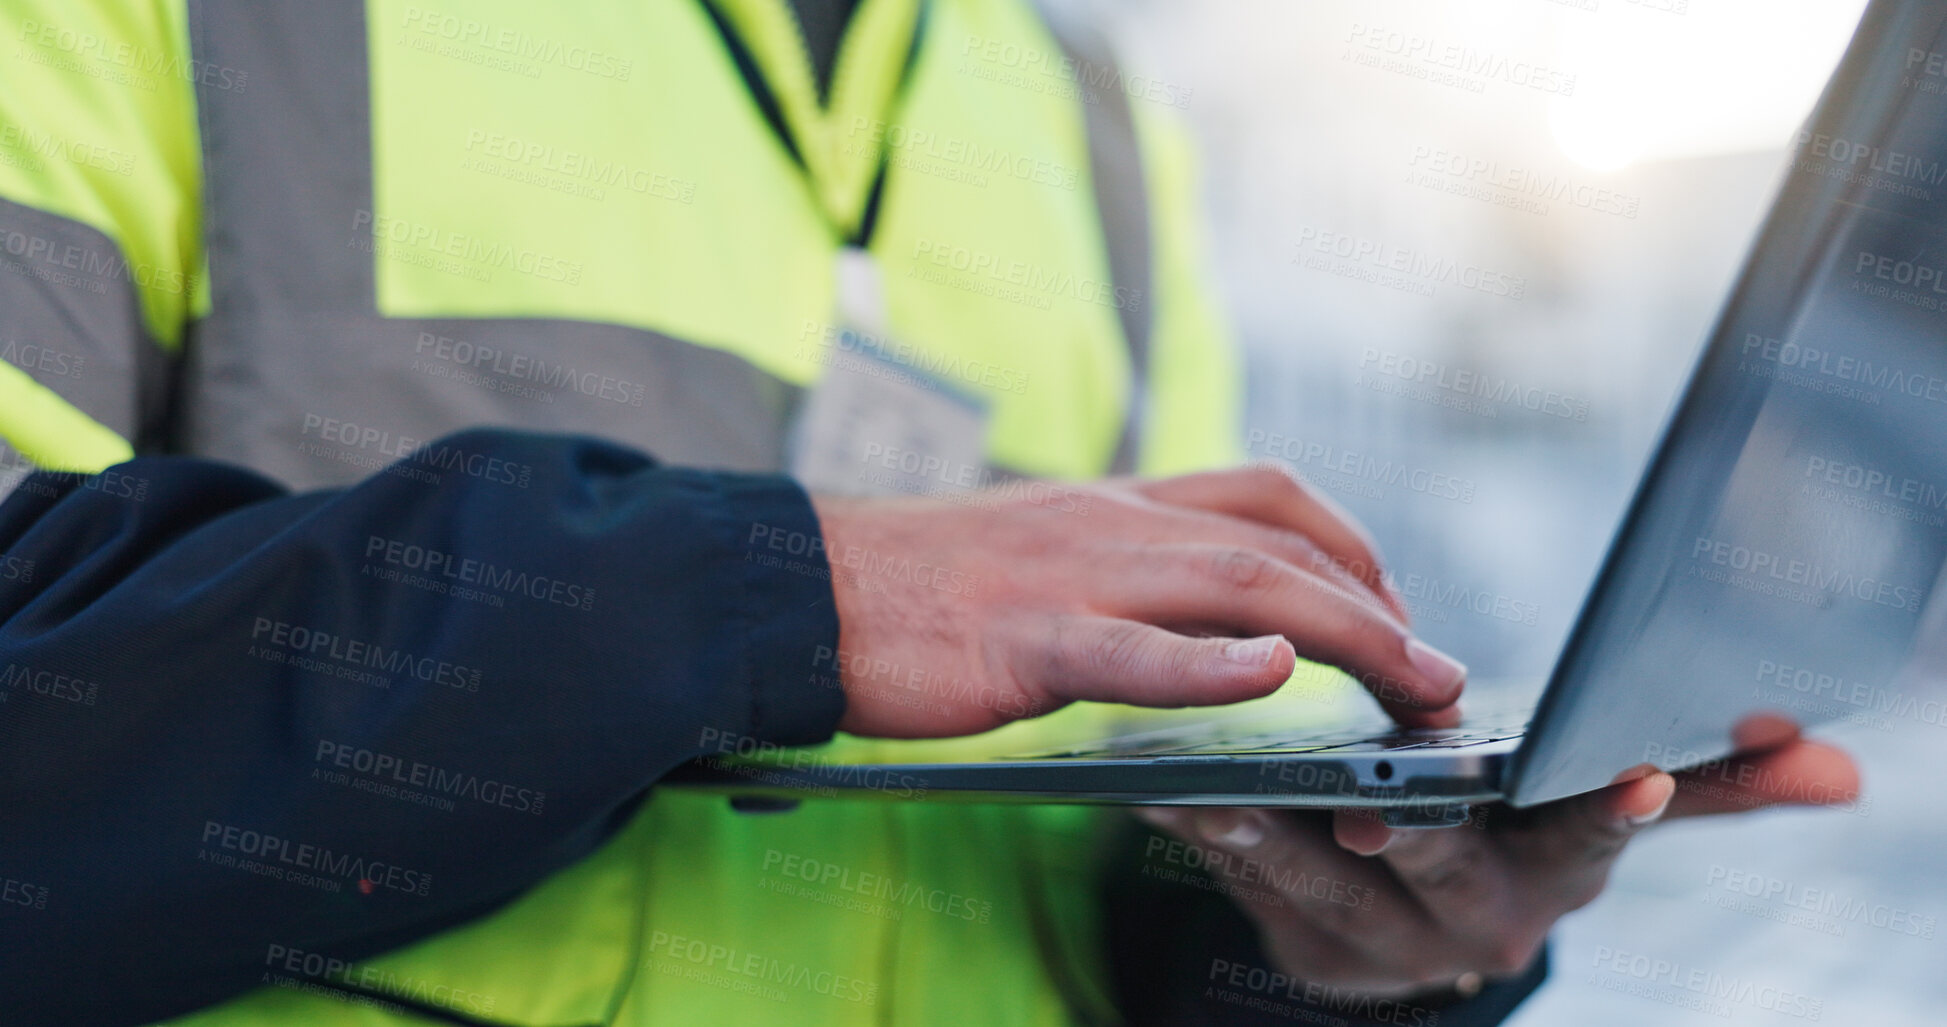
[1783,551]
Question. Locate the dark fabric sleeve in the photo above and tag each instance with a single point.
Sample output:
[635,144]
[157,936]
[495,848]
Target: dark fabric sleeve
[533,634]
[1183,955]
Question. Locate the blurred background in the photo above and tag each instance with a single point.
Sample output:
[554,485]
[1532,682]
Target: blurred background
[1481,241]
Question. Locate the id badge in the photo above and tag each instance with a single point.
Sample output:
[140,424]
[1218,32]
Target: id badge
[877,423]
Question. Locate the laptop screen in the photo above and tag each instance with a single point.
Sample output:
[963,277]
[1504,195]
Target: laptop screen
[1784,550]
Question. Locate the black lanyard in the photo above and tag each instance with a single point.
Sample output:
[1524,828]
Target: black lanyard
[767,104]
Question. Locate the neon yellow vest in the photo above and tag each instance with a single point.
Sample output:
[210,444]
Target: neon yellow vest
[500,126]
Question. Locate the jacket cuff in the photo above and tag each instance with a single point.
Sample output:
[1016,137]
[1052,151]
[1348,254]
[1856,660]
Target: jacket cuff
[791,629]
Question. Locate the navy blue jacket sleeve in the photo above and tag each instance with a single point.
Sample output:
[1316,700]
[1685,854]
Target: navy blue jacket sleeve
[1183,955]
[528,635]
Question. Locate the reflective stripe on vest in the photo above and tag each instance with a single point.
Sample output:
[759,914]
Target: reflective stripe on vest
[79,376]
[1122,202]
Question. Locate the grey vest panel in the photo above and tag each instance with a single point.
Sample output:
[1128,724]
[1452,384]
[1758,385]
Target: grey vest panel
[73,323]
[1122,202]
[295,373]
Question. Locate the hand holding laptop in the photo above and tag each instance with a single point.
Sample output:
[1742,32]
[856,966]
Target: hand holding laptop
[1477,899]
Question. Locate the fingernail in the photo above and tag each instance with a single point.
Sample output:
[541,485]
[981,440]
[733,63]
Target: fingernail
[1385,842]
[1653,815]
[1442,670]
[1243,833]
[1253,652]
[1160,816]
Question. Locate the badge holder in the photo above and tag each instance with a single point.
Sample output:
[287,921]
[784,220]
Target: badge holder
[876,423]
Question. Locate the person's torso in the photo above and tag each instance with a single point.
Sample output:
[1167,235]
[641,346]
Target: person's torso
[422,219]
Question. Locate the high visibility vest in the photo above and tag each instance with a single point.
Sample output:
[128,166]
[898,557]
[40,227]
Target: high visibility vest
[295,233]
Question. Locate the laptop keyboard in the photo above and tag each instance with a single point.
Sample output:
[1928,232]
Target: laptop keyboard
[1336,741]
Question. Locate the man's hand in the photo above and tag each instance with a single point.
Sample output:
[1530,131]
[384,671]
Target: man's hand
[1393,913]
[1189,591]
